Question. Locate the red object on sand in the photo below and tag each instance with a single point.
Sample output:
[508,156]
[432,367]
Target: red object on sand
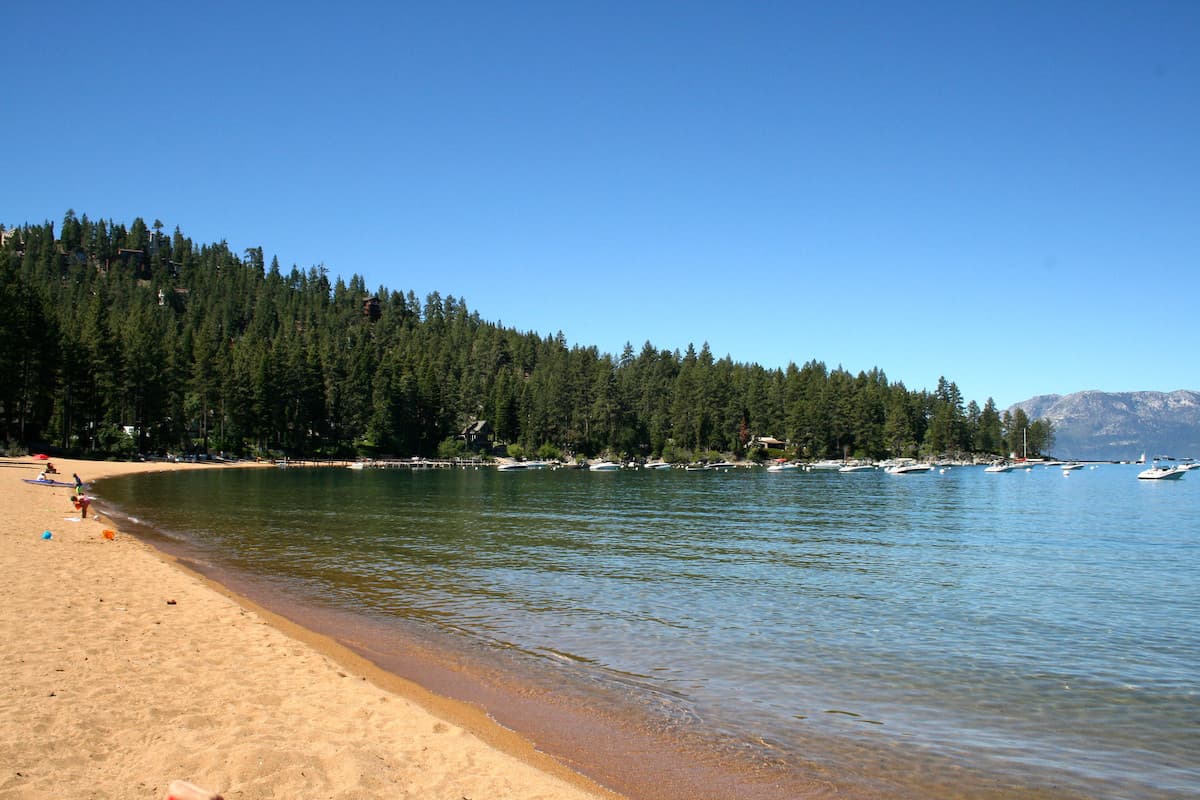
[42,456]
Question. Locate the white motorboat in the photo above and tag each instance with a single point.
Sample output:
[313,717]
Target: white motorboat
[657,465]
[1000,466]
[909,468]
[827,463]
[512,466]
[1072,465]
[783,468]
[857,468]
[1157,473]
[605,466]
[722,465]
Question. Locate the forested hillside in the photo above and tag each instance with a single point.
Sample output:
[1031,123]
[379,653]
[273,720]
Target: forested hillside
[116,340]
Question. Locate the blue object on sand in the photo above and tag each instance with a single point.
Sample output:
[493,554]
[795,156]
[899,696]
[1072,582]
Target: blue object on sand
[47,535]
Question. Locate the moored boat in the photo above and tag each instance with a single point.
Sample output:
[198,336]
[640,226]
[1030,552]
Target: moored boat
[1161,474]
[909,468]
[604,466]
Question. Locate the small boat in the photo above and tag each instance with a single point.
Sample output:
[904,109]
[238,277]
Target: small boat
[512,466]
[857,468]
[1161,474]
[657,465]
[722,465]
[1072,465]
[828,463]
[909,468]
[1000,466]
[784,468]
[605,466]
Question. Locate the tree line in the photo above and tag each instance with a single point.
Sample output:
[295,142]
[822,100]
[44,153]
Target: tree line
[117,340]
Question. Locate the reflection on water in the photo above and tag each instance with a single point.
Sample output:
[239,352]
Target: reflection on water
[1044,628]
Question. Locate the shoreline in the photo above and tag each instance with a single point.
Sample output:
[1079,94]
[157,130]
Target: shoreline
[611,747]
[563,745]
[127,670]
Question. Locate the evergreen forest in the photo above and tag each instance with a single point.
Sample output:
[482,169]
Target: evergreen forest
[117,341]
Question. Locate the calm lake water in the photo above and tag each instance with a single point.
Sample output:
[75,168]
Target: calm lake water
[938,635]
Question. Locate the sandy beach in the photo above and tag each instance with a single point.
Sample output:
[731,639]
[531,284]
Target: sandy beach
[123,671]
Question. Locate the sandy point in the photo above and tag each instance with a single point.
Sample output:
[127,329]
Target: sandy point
[123,671]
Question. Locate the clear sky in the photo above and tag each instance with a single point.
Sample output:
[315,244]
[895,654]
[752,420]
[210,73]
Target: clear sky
[1004,193]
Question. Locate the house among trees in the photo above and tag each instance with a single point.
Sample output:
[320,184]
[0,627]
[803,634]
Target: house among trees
[371,308]
[770,442]
[135,259]
[477,435]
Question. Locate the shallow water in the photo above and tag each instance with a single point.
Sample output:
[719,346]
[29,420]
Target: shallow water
[1040,630]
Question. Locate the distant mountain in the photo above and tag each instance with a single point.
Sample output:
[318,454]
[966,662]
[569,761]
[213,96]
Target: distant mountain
[1120,425]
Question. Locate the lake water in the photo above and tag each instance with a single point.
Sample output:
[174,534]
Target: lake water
[951,634]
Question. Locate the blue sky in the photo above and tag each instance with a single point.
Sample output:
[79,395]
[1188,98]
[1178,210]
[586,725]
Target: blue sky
[1007,193]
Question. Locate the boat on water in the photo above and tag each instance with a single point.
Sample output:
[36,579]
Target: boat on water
[1157,473]
[1072,465]
[832,464]
[604,466]
[1000,466]
[909,468]
[657,465]
[857,468]
[512,466]
[722,465]
[784,468]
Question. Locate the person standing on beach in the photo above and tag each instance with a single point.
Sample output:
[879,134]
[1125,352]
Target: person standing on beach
[82,502]
[78,483]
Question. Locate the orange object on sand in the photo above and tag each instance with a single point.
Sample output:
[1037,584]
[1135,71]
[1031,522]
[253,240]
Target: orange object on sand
[109,534]
[182,790]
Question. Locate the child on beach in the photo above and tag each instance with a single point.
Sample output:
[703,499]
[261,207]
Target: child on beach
[78,483]
[82,502]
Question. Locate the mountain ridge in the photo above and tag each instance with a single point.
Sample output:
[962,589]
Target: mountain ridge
[1097,425]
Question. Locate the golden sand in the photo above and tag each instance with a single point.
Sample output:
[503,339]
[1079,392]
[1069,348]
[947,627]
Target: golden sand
[122,671]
